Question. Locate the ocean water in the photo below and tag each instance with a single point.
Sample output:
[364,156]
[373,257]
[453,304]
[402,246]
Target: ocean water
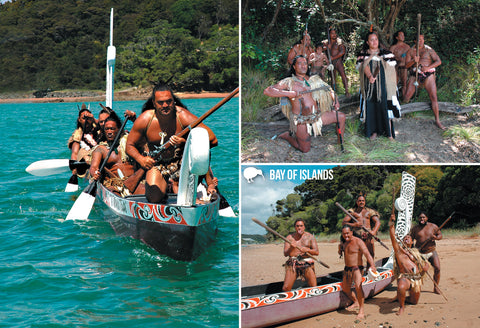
[56,273]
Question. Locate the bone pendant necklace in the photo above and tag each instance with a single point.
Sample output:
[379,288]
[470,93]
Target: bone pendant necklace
[162,135]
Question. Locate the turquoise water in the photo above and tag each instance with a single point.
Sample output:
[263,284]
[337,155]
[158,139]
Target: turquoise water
[56,273]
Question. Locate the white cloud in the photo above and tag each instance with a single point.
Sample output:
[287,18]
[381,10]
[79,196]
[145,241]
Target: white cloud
[257,200]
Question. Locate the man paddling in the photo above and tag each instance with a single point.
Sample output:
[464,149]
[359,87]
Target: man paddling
[309,104]
[84,138]
[153,128]
[354,249]
[409,268]
[299,263]
[118,164]
[425,233]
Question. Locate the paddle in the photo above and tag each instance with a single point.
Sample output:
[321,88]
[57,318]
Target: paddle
[72,184]
[225,208]
[54,166]
[363,227]
[286,240]
[81,167]
[132,182]
[83,205]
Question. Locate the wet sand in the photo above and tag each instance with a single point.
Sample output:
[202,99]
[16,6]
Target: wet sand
[459,282]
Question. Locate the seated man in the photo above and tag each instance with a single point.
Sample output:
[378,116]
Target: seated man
[309,104]
[153,128]
[84,138]
[299,263]
[118,165]
[409,268]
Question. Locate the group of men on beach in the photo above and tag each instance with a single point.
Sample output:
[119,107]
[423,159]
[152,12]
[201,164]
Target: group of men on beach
[162,118]
[301,105]
[357,241]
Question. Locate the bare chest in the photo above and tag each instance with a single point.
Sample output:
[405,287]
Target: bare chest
[158,134]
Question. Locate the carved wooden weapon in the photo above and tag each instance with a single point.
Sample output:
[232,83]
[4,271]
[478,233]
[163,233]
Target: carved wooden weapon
[286,240]
[363,227]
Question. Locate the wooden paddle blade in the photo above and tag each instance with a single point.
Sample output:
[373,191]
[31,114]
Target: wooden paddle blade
[72,184]
[225,208]
[48,167]
[83,205]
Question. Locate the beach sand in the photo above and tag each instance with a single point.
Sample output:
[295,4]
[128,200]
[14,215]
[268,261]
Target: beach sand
[117,97]
[459,282]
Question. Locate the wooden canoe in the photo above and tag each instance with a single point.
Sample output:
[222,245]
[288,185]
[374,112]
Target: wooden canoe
[266,305]
[180,232]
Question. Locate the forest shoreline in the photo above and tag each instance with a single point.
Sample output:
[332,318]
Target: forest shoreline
[118,96]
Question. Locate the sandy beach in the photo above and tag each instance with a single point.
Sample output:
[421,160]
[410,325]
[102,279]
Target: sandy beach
[118,97]
[459,282]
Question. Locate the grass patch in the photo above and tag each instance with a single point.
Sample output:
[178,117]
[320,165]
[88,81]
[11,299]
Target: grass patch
[249,135]
[253,99]
[361,149]
[458,132]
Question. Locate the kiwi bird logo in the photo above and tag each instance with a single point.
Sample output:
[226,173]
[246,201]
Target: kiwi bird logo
[251,173]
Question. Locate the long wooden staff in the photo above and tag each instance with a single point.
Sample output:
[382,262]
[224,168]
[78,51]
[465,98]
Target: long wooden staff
[325,87]
[332,73]
[363,227]
[428,274]
[286,240]
[419,19]
[132,182]
[438,229]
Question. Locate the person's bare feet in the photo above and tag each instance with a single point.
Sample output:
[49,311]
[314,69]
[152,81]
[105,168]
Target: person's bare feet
[284,135]
[373,136]
[360,315]
[400,311]
[352,307]
[439,124]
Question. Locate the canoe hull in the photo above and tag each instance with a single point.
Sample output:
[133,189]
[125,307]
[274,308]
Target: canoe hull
[180,232]
[279,307]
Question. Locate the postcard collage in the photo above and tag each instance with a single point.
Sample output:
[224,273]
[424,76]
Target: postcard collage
[353,158]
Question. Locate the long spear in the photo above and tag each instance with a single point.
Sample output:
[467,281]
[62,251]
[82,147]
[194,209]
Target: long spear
[428,274]
[332,73]
[419,19]
[286,240]
[363,227]
[438,229]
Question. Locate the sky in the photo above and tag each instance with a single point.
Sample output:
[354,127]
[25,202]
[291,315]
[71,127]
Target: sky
[275,182]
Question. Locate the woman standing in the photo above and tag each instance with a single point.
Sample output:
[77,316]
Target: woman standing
[378,88]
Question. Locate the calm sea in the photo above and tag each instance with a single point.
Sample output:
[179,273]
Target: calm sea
[79,274]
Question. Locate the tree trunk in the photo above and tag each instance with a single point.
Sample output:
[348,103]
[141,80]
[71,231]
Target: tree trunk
[274,20]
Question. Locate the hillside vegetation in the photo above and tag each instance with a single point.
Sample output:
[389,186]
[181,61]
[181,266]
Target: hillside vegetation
[439,191]
[48,44]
